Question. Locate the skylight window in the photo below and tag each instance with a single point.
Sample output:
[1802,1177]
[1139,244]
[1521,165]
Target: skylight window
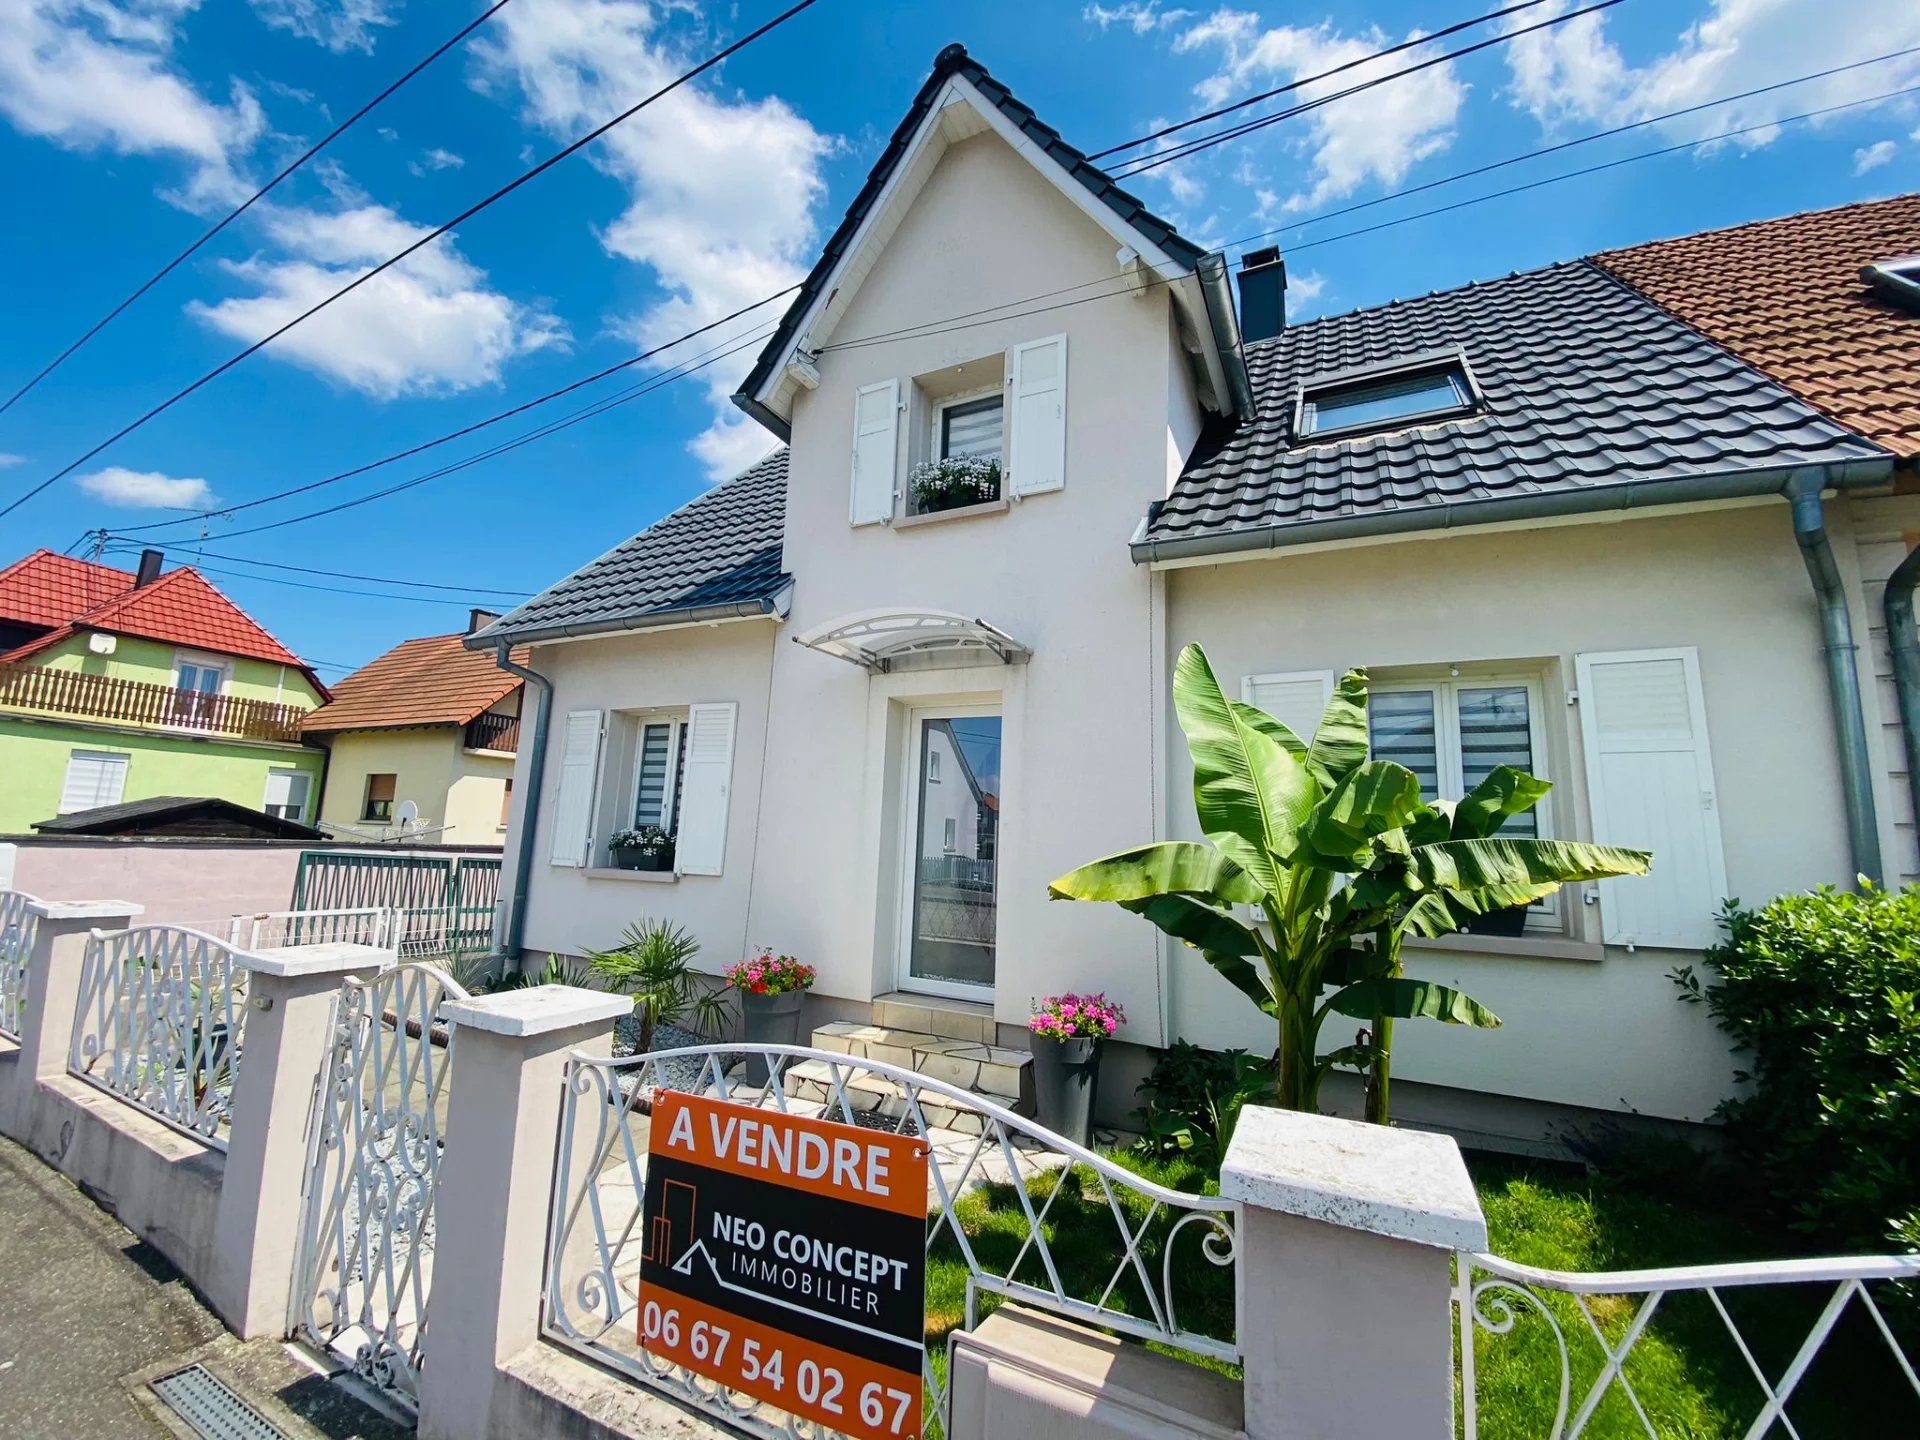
[1357,403]
[1896,281]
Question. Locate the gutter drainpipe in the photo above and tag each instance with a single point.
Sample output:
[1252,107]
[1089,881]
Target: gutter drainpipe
[512,924]
[1843,675]
[1905,643]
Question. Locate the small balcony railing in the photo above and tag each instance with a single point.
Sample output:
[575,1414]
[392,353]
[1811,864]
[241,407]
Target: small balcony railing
[134,702]
[493,732]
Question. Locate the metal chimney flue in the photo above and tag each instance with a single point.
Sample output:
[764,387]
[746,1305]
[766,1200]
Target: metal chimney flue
[1263,294]
[149,571]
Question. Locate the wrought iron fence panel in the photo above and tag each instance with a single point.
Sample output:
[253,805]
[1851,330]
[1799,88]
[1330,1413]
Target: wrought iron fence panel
[366,1255]
[593,1258]
[1591,1329]
[17,926]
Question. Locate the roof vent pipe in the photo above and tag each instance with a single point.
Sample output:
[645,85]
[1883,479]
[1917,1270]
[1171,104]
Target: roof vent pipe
[149,571]
[1263,294]
[1843,675]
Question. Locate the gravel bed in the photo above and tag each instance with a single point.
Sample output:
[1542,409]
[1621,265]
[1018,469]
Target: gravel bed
[690,1074]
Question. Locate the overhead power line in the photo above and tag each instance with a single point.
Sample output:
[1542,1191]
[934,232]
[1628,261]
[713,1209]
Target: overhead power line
[131,547]
[260,194]
[1291,86]
[505,190]
[331,589]
[1234,132]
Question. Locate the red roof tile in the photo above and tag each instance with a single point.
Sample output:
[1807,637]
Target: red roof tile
[1786,297]
[49,589]
[429,681]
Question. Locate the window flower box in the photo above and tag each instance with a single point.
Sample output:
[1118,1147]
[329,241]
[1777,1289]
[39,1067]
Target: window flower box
[647,848]
[950,484]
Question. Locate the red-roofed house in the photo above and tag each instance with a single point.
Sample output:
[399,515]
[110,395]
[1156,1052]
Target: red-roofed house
[118,685]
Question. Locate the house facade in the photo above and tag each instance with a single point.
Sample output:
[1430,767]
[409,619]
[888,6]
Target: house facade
[1550,518]
[120,685]
[421,744]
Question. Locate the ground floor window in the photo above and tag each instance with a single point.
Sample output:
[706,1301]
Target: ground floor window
[287,794]
[94,778]
[659,774]
[952,909]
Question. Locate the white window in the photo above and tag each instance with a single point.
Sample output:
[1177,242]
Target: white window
[1383,398]
[1643,725]
[970,429]
[202,674]
[933,767]
[94,778]
[1296,698]
[659,773]
[1452,734]
[287,792]
[1037,449]
[950,838]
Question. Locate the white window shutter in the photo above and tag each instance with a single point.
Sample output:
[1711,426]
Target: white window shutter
[1643,725]
[1296,698]
[701,847]
[94,778]
[1037,447]
[572,839]
[876,441]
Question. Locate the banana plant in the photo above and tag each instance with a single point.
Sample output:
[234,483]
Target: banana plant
[1332,849]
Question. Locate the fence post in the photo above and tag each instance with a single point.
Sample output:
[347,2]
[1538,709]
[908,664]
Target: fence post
[53,994]
[1346,1240]
[290,996]
[496,1181]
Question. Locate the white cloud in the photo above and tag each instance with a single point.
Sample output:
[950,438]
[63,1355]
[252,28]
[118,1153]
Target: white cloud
[99,75]
[1142,19]
[1305,285]
[8,460]
[429,325]
[721,188]
[1375,138]
[1872,157]
[1573,72]
[339,27]
[435,159]
[147,490]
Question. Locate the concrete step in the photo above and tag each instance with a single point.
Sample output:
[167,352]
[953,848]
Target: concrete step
[1006,1075]
[870,1094]
[936,1015]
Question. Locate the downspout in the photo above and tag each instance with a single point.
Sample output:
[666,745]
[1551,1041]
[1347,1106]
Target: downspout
[513,922]
[1905,643]
[1843,676]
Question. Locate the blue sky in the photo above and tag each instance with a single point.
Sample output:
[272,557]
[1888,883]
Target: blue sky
[126,126]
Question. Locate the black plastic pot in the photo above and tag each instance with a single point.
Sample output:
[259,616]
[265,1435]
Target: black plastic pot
[1066,1075]
[1510,922]
[630,858]
[769,1020]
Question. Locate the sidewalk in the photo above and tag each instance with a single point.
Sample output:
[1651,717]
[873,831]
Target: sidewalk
[89,1314]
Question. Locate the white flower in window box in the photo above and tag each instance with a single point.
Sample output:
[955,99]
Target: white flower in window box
[647,848]
[954,482]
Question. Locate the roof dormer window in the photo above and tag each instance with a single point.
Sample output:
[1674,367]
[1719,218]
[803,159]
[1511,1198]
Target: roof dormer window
[1418,390]
[1896,281]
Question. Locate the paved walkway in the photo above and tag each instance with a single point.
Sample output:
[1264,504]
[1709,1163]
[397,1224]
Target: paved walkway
[89,1313]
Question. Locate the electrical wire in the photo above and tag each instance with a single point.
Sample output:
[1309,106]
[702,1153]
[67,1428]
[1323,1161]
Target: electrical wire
[554,159]
[130,547]
[250,201]
[330,589]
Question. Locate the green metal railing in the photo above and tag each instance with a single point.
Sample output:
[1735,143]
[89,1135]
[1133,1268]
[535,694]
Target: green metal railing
[443,903]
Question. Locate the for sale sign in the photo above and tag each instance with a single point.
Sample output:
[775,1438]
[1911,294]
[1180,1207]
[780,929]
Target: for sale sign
[785,1258]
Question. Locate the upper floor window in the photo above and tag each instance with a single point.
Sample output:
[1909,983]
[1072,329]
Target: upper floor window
[972,429]
[287,793]
[659,772]
[379,800]
[197,678]
[1362,403]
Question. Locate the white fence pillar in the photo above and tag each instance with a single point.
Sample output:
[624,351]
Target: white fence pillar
[1347,1235]
[496,1181]
[290,996]
[53,994]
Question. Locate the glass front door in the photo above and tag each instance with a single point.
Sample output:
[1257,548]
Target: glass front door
[955,827]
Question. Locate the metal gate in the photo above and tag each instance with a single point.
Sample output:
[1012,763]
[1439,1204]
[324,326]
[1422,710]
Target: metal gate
[378,1132]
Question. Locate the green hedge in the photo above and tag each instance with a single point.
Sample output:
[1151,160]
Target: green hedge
[1821,993]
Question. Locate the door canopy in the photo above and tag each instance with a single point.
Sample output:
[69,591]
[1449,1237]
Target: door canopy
[882,641]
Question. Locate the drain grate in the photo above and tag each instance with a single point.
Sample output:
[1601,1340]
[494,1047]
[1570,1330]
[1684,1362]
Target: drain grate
[211,1407]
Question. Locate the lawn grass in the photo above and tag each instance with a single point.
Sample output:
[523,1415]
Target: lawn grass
[1688,1374]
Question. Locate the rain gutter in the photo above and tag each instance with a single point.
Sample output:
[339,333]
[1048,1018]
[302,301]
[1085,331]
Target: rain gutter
[774,607]
[1216,294]
[1904,640]
[512,924]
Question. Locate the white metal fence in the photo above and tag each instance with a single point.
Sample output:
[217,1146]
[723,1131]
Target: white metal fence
[1158,1236]
[1594,1322]
[17,927]
[161,1019]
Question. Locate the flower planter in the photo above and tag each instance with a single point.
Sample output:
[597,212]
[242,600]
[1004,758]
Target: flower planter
[769,1020]
[1510,922]
[632,859]
[1066,1075]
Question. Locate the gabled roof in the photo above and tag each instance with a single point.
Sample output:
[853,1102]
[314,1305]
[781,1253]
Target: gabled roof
[181,607]
[1787,297]
[430,681]
[1591,398]
[923,133]
[716,557]
[178,815]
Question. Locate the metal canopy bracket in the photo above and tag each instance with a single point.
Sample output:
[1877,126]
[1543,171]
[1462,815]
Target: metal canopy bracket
[882,641]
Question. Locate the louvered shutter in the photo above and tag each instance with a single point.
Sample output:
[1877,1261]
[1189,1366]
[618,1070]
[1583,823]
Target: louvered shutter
[1037,447]
[94,778]
[702,845]
[572,840]
[1650,782]
[1296,699]
[876,438]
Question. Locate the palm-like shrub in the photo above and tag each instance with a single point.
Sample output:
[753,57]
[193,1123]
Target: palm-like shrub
[653,964]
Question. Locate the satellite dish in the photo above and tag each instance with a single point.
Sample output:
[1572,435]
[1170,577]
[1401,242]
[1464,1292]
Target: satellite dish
[408,814]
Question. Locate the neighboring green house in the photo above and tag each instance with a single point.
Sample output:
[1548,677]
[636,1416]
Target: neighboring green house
[118,686]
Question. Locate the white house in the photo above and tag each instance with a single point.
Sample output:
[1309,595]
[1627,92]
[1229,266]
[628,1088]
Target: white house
[1547,516]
